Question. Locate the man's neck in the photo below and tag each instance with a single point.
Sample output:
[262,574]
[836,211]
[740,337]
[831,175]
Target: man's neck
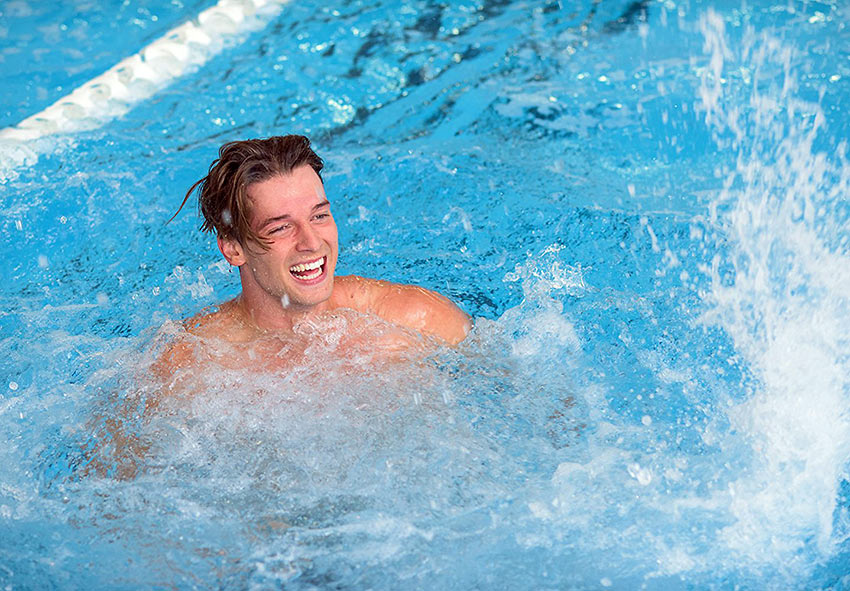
[265,313]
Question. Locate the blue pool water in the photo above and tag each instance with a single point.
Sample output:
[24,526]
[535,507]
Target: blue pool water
[643,205]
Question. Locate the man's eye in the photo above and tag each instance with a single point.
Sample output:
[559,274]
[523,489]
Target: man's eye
[279,229]
[322,216]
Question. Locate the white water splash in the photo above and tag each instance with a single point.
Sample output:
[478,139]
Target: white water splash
[544,323]
[786,303]
[545,272]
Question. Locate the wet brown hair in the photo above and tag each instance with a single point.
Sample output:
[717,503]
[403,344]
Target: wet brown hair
[223,193]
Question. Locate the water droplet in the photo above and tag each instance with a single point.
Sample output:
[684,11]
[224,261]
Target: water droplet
[13,386]
[284,300]
[226,218]
[646,420]
[102,299]
[642,475]
[605,582]
[42,261]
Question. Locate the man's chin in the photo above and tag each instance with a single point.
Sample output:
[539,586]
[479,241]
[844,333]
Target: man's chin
[308,297]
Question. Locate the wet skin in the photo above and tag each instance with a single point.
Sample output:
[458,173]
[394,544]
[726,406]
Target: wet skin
[293,280]
[292,213]
[292,308]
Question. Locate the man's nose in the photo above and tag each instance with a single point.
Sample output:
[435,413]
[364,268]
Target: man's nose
[308,238]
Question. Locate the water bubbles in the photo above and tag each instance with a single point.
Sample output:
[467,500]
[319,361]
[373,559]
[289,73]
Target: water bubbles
[544,272]
[342,112]
[363,214]
[646,420]
[785,305]
[221,266]
[13,386]
[226,218]
[182,280]
[639,473]
[43,262]
[461,215]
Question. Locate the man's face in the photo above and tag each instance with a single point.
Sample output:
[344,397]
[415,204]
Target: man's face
[293,213]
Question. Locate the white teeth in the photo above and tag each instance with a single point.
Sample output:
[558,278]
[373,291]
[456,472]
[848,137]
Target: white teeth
[307,266]
[312,275]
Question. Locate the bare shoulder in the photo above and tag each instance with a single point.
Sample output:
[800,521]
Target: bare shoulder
[218,323]
[353,291]
[224,322]
[423,310]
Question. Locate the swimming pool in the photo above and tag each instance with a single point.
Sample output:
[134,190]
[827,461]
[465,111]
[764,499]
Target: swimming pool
[643,205]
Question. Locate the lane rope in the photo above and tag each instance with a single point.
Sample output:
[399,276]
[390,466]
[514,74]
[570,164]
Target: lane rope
[136,78]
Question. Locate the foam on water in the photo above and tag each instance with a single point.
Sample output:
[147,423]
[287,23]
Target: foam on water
[784,302]
[608,424]
[760,503]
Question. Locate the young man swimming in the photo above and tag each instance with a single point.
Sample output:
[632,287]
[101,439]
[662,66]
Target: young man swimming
[265,200]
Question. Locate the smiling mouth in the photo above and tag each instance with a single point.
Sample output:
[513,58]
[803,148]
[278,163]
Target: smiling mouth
[310,270]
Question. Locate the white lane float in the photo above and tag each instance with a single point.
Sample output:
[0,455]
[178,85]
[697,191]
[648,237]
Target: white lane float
[136,78]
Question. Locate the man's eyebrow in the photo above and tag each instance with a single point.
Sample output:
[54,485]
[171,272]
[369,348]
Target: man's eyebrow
[286,216]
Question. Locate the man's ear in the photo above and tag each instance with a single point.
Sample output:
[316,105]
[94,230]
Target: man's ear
[232,251]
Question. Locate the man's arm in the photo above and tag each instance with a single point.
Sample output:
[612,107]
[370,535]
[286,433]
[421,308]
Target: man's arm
[114,448]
